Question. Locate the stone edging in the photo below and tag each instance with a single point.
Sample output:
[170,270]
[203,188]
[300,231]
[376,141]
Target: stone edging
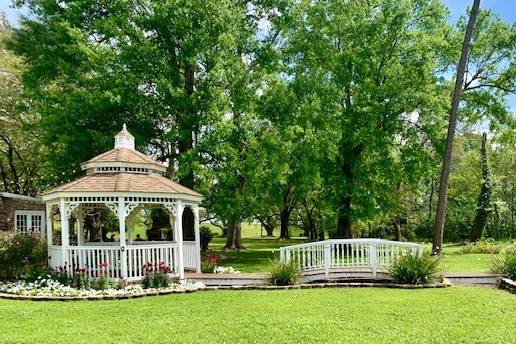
[508,284]
[443,284]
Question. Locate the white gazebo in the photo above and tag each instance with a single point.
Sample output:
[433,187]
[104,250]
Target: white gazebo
[125,181]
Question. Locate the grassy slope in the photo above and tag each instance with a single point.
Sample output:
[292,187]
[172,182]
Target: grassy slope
[468,314]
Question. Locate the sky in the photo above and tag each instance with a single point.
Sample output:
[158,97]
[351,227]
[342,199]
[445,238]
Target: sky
[506,9]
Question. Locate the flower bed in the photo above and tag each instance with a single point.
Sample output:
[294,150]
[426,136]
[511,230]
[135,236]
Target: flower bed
[51,289]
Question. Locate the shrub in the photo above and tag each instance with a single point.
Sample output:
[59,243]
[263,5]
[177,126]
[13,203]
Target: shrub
[205,235]
[505,263]
[481,247]
[80,279]
[415,269]
[22,255]
[155,280]
[284,274]
[156,276]
[208,264]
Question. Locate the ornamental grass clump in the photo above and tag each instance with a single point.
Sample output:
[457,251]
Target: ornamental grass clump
[284,274]
[505,263]
[415,269]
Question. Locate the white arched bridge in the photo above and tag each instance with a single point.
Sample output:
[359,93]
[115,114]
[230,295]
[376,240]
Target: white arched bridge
[346,258]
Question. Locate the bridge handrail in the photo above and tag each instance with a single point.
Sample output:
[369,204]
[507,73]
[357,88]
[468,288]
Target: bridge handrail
[351,241]
[337,253]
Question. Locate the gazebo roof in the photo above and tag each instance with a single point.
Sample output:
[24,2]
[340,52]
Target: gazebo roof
[124,182]
[123,156]
[122,170]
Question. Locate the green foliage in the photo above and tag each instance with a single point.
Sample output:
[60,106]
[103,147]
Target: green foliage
[482,246]
[102,283]
[22,256]
[505,263]
[206,236]
[415,269]
[283,273]
[80,280]
[156,280]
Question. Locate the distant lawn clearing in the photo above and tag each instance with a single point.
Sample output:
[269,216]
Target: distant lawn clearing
[451,315]
[260,251]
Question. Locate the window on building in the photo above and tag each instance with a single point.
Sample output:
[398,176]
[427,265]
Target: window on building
[28,221]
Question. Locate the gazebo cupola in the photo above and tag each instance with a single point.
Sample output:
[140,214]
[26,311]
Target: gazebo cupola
[124,139]
[125,181]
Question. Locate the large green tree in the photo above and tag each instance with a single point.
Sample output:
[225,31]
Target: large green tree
[21,167]
[160,66]
[372,66]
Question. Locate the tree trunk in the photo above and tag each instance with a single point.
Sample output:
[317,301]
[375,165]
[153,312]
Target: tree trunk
[284,219]
[484,198]
[234,237]
[269,230]
[445,174]
[397,228]
[344,224]
[431,199]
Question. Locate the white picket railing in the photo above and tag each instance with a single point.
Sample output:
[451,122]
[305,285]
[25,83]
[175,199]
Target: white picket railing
[189,254]
[97,260]
[347,253]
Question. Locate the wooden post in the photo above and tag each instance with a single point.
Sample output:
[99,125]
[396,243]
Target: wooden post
[80,226]
[197,240]
[65,234]
[121,226]
[49,224]
[372,259]
[327,260]
[179,238]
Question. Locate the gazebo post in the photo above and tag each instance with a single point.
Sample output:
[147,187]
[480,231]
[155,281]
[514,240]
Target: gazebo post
[197,240]
[179,238]
[65,233]
[80,226]
[121,226]
[49,224]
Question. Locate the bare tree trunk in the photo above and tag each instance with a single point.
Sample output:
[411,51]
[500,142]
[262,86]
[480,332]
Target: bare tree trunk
[484,198]
[445,174]
[344,223]
[284,220]
[234,237]
[397,228]
[431,199]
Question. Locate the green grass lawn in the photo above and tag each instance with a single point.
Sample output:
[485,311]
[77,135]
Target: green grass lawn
[455,261]
[346,315]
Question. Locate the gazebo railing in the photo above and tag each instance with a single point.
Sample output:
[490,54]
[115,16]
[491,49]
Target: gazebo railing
[98,260]
[347,253]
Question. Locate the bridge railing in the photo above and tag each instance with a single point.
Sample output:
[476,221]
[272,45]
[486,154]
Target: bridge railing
[347,253]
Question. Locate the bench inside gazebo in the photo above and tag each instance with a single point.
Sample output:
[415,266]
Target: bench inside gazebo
[127,182]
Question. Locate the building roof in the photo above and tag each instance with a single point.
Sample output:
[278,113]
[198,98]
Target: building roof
[124,132]
[123,169]
[20,197]
[124,182]
[125,156]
